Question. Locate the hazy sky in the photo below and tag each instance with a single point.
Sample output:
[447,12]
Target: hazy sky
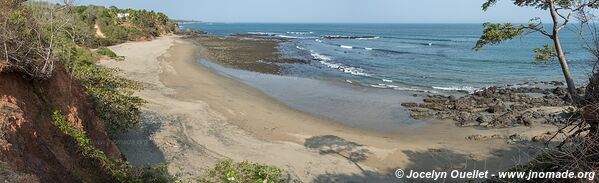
[360,11]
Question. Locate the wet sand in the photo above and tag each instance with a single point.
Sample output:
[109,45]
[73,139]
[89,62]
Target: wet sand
[196,116]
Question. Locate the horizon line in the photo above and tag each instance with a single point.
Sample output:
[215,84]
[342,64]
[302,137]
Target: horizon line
[225,22]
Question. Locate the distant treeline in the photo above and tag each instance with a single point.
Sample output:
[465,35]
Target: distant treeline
[112,25]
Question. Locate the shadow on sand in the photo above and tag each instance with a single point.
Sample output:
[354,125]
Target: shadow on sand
[137,145]
[440,160]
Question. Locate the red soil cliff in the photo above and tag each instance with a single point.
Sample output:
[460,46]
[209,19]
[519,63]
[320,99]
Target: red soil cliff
[31,144]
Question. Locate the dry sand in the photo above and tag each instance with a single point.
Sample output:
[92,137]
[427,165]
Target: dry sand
[195,117]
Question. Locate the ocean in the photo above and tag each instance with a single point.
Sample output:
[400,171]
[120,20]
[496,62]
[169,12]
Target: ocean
[412,57]
[360,74]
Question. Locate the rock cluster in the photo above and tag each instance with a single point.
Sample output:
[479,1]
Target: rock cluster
[496,107]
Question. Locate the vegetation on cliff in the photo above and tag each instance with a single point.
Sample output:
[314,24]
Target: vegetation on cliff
[229,171]
[37,37]
[113,25]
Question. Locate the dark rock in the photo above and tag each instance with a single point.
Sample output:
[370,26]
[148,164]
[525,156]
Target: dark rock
[463,105]
[559,91]
[536,90]
[497,136]
[465,117]
[512,139]
[409,105]
[520,107]
[497,108]
[581,91]
[526,118]
[477,137]
[493,107]
[484,119]
[489,92]
[505,120]
[556,83]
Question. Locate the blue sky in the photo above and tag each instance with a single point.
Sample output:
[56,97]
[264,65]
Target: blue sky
[327,11]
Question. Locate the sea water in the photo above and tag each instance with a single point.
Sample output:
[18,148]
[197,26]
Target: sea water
[414,57]
[359,74]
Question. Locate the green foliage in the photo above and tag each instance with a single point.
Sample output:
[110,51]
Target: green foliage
[496,33]
[109,53]
[112,95]
[131,25]
[228,171]
[25,46]
[119,170]
[154,174]
[544,54]
[539,4]
[488,4]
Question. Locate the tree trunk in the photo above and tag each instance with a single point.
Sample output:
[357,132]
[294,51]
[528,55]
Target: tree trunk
[566,70]
[560,54]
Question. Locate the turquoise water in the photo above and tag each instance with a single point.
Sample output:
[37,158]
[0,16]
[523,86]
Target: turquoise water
[421,57]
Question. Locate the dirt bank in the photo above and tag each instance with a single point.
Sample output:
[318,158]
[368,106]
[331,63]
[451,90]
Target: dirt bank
[31,144]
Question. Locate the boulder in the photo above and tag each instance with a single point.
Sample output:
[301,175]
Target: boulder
[497,108]
[465,117]
[484,119]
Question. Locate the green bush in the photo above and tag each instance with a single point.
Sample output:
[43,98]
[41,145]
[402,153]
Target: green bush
[109,53]
[228,171]
[112,95]
[117,168]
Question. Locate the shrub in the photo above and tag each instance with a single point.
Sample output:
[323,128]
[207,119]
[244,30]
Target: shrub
[112,95]
[109,53]
[117,168]
[228,171]
[25,43]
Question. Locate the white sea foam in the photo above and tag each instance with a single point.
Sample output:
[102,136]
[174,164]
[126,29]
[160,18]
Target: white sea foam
[414,89]
[289,37]
[320,57]
[368,48]
[468,89]
[379,86]
[318,40]
[262,33]
[346,47]
[367,38]
[349,81]
[300,33]
[326,60]
[300,48]
[388,80]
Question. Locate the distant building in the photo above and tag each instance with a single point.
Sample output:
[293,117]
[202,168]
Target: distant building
[122,15]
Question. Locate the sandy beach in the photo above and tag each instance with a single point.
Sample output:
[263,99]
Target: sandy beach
[195,117]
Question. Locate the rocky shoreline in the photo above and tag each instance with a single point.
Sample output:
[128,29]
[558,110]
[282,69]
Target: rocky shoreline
[498,107]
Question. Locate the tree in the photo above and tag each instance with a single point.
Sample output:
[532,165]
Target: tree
[28,36]
[560,11]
